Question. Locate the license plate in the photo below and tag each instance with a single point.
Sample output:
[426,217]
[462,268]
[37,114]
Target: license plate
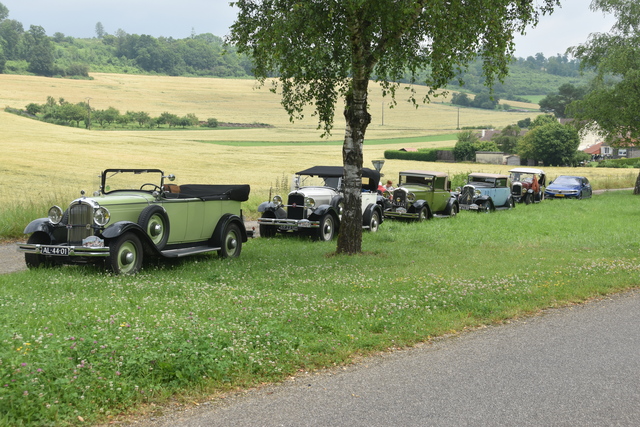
[54,250]
[559,195]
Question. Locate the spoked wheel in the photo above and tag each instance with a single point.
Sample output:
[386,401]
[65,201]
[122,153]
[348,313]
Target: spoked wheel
[454,211]
[327,229]
[125,254]
[231,242]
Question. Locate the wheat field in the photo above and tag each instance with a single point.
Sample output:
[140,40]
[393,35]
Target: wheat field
[41,161]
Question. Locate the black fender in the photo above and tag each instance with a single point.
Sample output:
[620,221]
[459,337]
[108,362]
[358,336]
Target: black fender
[218,233]
[336,201]
[483,199]
[419,204]
[322,210]
[368,213]
[450,204]
[120,227]
[277,210]
[40,224]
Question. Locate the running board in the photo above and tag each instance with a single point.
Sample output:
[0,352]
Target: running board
[177,253]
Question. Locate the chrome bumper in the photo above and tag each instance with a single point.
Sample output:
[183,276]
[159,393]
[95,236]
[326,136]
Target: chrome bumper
[289,224]
[63,251]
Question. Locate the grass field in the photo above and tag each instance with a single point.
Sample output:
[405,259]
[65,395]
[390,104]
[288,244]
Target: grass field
[41,160]
[78,343]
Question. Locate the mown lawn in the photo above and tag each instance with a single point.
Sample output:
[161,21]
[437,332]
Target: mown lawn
[79,345]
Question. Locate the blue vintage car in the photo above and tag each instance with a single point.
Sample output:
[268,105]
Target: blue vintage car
[565,187]
[486,192]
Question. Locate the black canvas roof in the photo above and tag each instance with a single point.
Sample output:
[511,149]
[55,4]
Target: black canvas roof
[337,171]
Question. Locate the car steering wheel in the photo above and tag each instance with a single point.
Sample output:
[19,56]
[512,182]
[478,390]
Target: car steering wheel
[155,187]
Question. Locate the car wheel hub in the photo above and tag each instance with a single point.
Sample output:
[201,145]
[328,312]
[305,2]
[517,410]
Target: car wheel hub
[126,257]
[156,230]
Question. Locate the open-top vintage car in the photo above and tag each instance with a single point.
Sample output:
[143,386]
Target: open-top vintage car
[137,213]
[421,195]
[486,192]
[315,205]
[527,185]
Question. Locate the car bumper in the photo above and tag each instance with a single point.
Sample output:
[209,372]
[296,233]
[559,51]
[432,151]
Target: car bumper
[400,214]
[289,224]
[63,251]
[561,195]
[471,207]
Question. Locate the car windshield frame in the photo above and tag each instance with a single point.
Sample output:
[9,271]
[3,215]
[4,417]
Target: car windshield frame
[130,180]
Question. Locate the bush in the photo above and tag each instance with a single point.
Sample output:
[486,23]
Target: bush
[422,155]
[211,123]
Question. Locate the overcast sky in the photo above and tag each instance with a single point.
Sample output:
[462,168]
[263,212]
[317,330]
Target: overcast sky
[567,26]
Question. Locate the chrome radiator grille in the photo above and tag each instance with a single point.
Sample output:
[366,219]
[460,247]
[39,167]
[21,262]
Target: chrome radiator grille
[466,196]
[296,212]
[516,190]
[79,223]
[400,198]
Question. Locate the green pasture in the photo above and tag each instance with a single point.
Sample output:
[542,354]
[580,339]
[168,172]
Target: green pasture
[80,344]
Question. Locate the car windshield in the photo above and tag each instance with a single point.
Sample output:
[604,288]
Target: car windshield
[567,180]
[318,181]
[118,180]
[421,180]
[481,181]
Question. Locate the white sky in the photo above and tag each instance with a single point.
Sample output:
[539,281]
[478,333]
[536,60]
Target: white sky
[568,26]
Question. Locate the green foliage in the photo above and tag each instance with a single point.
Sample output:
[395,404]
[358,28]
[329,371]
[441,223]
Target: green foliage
[211,123]
[613,105]
[557,102]
[507,140]
[550,142]
[80,343]
[423,154]
[465,148]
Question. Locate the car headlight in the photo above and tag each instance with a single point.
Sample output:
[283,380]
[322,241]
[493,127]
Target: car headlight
[101,216]
[55,214]
[309,202]
[478,193]
[277,200]
[411,197]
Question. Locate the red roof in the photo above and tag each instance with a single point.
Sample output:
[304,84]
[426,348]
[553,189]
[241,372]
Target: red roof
[593,149]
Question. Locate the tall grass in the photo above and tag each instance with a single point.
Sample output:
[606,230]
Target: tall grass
[76,342]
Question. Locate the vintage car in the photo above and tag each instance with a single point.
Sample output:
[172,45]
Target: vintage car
[137,213]
[315,205]
[567,187]
[421,195]
[486,192]
[527,185]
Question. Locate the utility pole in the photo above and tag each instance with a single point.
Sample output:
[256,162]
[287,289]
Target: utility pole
[89,113]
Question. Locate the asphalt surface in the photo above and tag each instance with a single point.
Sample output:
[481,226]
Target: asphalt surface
[575,366]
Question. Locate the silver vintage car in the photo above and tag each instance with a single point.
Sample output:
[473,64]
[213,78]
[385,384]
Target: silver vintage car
[315,205]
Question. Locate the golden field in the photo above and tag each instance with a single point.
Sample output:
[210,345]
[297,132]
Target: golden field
[41,161]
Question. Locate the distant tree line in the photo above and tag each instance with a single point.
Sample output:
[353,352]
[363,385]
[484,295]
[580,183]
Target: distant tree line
[62,112]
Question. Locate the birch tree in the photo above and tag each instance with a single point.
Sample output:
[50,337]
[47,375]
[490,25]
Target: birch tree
[323,51]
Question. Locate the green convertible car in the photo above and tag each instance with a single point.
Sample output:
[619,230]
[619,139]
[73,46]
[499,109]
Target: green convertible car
[138,213]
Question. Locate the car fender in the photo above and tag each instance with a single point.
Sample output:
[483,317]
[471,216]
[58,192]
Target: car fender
[121,227]
[450,204]
[482,199]
[40,224]
[323,209]
[419,204]
[218,233]
[368,213]
[272,207]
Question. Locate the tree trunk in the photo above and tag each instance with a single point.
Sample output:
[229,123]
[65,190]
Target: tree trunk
[357,120]
[636,189]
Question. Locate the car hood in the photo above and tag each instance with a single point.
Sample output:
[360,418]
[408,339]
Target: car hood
[321,195]
[558,187]
[121,199]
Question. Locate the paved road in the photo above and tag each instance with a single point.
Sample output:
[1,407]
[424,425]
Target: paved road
[576,366]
